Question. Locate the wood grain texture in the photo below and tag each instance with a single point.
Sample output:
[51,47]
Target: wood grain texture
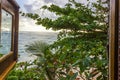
[111,39]
[7,70]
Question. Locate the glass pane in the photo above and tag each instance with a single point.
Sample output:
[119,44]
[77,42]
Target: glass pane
[6,29]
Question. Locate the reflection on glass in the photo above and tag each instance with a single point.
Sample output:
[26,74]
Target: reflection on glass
[5,38]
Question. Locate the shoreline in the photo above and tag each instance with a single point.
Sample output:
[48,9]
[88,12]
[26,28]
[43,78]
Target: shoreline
[27,57]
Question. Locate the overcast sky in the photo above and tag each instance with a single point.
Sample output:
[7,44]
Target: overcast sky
[34,6]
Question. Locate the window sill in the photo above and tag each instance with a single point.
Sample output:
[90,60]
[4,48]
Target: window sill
[5,73]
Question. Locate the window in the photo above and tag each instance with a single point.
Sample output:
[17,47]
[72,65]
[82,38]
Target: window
[9,16]
[5,32]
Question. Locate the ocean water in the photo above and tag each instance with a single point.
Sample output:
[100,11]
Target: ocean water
[26,38]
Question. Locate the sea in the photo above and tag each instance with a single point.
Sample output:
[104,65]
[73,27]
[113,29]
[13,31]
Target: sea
[27,37]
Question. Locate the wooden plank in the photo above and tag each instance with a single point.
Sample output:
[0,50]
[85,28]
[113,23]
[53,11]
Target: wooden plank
[111,39]
[8,7]
[16,35]
[5,62]
[119,41]
[5,73]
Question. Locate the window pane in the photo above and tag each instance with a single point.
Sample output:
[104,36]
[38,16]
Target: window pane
[6,29]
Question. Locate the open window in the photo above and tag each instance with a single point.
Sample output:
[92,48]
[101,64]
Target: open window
[9,16]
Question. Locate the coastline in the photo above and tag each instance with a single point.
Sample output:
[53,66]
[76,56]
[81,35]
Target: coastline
[27,58]
[27,37]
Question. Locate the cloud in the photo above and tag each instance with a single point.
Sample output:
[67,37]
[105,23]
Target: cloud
[28,8]
[34,7]
[27,24]
[49,1]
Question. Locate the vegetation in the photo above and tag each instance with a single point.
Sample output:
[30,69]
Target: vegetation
[42,67]
[23,72]
[80,51]
[1,55]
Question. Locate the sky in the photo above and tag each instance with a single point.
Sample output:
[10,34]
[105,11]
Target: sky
[26,24]
[31,6]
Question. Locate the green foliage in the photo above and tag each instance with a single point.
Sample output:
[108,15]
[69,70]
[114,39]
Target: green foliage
[69,77]
[37,47]
[23,72]
[81,42]
[12,78]
[44,61]
[45,67]
[1,55]
[85,53]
